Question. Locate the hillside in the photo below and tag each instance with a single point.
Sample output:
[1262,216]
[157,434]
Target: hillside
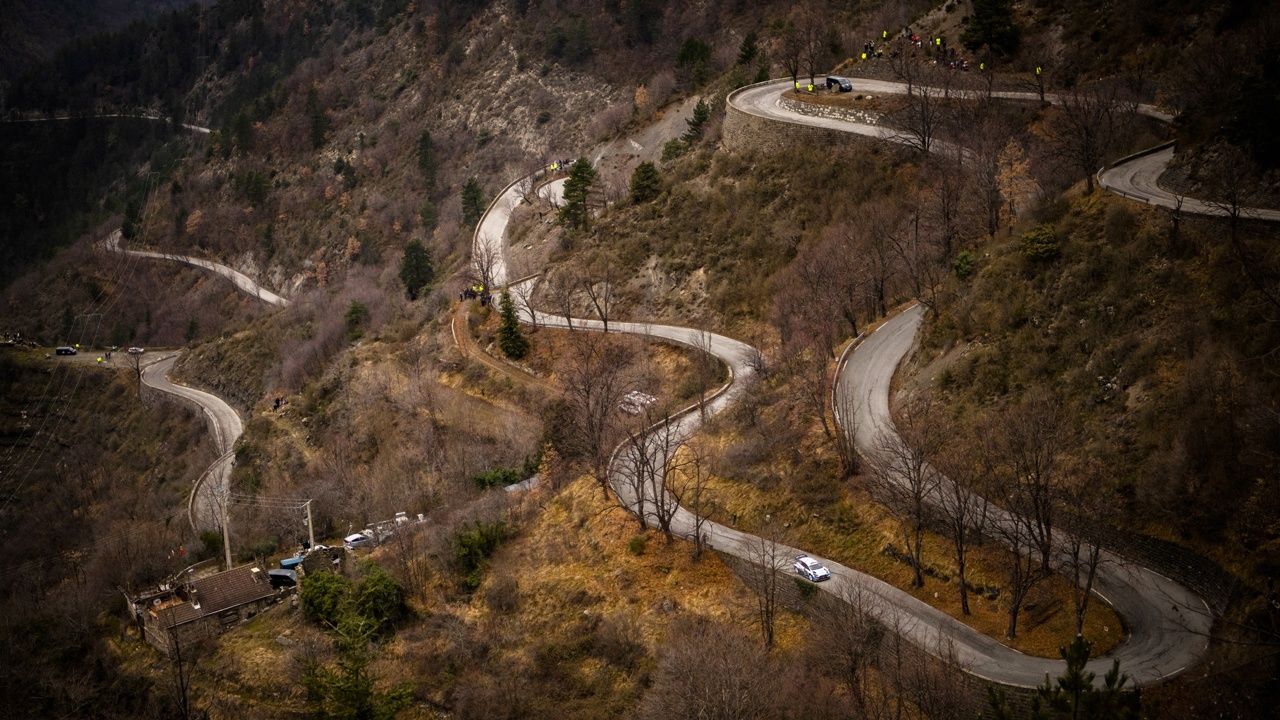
[353,148]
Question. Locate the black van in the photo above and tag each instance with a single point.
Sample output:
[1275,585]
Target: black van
[840,82]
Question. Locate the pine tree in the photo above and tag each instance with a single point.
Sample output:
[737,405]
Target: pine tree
[427,159]
[415,269]
[749,48]
[992,25]
[701,113]
[575,213]
[645,183]
[513,342]
[472,203]
[319,119]
[1074,694]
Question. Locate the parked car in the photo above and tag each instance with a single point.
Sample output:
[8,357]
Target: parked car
[283,578]
[135,351]
[358,540]
[840,82]
[811,569]
[64,350]
[290,563]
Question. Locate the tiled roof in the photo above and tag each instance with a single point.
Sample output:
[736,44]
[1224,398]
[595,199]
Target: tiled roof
[216,593]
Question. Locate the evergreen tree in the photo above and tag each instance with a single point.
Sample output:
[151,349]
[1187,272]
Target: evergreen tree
[513,342]
[1074,694]
[575,213]
[428,215]
[692,60]
[992,25]
[318,117]
[129,226]
[472,203]
[701,113]
[645,183]
[749,48]
[427,159]
[415,269]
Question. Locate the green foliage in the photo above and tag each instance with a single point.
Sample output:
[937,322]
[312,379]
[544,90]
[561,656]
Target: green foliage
[346,690]
[1074,694]
[473,547]
[963,265]
[429,215]
[357,316]
[992,25]
[318,118]
[129,226]
[673,149]
[254,185]
[1040,244]
[636,544]
[193,330]
[428,164]
[749,48]
[379,598]
[693,60]
[497,477]
[472,202]
[324,596]
[415,269]
[805,588]
[645,183]
[575,212]
[697,122]
[513,342]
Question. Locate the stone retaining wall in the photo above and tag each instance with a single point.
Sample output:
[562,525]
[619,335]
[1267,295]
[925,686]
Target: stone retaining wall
[864,117]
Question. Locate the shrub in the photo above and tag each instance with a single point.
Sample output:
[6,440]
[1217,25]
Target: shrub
[497,477]
[963,265]
[1040,244]
[673,149]
[379,598]
[357,315]
[323,597]
[645,183]
[806,589]
[472,548]
[636,544]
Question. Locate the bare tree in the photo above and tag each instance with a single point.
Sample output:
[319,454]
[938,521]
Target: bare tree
[964,512]
[923,115]
[596,380]
[903,479]
[1233,176]
[851,638]
[688,484]
[1022,566]
[180,664]
[766,560]
[562,291]
[135,364]
[792,50]
[1082,557]
[485,260]
[812,39]
[707,367]
[1086,127]
[637,468]
[522,293]
[918,257]
[599,285]
[712,671]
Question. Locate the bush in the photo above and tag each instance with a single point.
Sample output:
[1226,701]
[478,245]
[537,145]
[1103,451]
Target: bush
[497,477]
[963,265]
[645,183]
[323,597]
[357,316]
[472,548]
[1040,244]
[379,598]
[636,544]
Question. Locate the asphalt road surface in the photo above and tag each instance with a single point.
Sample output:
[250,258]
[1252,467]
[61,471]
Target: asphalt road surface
[1168,624]
[1136,177]
[224,423]
[243,282]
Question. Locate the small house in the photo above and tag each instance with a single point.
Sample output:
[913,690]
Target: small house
[192,610]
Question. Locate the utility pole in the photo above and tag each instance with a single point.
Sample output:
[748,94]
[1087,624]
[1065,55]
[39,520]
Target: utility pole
[226,529]
[311,533]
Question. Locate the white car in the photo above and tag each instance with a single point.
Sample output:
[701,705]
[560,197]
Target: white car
[135,351]
[358,540]
[811,569]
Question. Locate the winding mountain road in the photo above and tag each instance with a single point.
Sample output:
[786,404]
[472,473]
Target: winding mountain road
[1135,177]
[1169,625]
